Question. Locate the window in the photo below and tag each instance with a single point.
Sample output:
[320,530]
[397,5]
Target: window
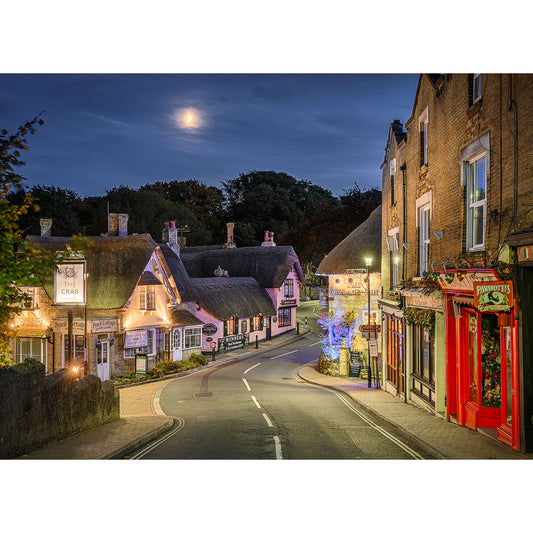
[393,246]
[424,216]
[424,354]
[393,182]
[288,288]
[395,342]
[476,87]
[34,347]
[146,297]
[231,326]
[256,323]
[284,317]
[30,297]
[192,338]
[423,130]
[476,202]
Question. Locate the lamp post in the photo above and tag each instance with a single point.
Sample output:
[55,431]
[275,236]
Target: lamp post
[368,263]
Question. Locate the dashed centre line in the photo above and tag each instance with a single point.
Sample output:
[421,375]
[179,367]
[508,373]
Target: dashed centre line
[256,402]
[283,354]
[278,447]
[247,386]
[269,423]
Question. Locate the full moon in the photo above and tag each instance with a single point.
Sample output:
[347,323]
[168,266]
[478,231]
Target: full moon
[188,118]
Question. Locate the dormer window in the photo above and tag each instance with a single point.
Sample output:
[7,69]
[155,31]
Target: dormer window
[29,300]
[147,297]
[288,288]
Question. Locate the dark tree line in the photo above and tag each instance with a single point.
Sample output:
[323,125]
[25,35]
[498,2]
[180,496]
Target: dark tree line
[300,213]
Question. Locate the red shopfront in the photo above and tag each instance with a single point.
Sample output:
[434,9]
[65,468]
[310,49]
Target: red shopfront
[482,352]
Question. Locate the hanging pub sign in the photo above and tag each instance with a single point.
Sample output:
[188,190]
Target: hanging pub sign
[209,329]
[493,296]
[69,283]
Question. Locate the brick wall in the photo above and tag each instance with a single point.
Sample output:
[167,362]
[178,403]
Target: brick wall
[36,409]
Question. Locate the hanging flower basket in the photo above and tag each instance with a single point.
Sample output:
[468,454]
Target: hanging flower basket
[424,318]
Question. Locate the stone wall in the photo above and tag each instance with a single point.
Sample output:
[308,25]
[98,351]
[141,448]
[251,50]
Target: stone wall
[36,409]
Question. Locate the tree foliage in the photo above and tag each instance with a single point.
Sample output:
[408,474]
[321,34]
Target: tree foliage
[21,262]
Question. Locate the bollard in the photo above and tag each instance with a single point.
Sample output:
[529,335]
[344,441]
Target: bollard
[297,328]
[212,354]
[256,343]
[305,322]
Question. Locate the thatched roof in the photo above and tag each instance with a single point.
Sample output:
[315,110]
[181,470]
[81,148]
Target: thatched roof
[225,297]
[177,270]
[363,241]
[114,265]
[269,266]
[182,317]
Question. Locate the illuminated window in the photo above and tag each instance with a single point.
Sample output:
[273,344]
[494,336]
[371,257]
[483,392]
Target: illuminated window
[192,338]
[30,297]
[256,323]
[393,181]
[231,326]
[424,216]
[147,297]
[33,347]
[476,87]
[284,317]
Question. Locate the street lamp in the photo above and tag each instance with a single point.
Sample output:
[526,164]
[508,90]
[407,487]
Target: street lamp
[368,263]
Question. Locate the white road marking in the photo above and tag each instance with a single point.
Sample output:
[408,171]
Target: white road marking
[245,353]
[157,402]
[142,453]
[283,354]
[385,433]
[269,423]
[246,371]
[256,402]
[315,343]
[278,447]
[247,386]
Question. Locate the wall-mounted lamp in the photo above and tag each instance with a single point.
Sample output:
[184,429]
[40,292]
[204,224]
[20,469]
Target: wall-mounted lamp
[368,261]
[438,234]
[461,274]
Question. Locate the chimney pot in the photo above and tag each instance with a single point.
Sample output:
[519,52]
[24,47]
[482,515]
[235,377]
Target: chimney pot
[46,227]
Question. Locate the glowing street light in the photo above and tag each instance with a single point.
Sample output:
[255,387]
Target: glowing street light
[368,263]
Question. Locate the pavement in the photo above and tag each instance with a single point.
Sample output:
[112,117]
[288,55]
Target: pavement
[142,420]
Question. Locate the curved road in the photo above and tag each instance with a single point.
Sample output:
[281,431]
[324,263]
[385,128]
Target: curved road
[258,408]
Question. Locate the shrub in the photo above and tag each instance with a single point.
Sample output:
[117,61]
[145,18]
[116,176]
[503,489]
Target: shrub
[197,358]
[169,367]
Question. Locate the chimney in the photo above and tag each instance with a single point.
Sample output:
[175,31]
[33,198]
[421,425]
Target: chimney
[230,243]
[46,227]
[170,236]
[269,239]
[117,224]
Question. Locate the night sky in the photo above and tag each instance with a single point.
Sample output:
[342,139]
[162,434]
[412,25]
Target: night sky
[103,131]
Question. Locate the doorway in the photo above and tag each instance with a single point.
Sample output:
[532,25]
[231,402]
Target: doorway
[102,359]
[177,353]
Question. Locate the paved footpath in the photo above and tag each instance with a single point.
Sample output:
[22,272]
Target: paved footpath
[442,439]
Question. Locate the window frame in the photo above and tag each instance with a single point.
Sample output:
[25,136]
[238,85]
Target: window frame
[392,173]
[147,298]
[31,292]
[424,231]
[470,173]
[192,332]
[288,288]
[476,94]
[284,317]
[423,132]
[19,356]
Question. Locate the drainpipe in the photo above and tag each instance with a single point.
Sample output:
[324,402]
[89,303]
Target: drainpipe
[403,168]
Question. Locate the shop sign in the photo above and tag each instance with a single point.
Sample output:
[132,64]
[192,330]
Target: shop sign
[288,302]
[370,328]
[232,343]
[136,339]
[69,284]
[494,296]
[141,364]
[373,348]
[525,254]
[105,325]
[209,329]
[61,326]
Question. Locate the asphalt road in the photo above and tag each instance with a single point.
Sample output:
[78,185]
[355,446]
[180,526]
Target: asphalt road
[258,408]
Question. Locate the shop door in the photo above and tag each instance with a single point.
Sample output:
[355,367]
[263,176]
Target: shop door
[102,360]
[177,354]
[268,328]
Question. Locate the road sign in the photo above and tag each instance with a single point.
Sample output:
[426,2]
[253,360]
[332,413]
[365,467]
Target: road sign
[370,328]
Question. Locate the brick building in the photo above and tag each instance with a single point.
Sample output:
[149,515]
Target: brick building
[457,219]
